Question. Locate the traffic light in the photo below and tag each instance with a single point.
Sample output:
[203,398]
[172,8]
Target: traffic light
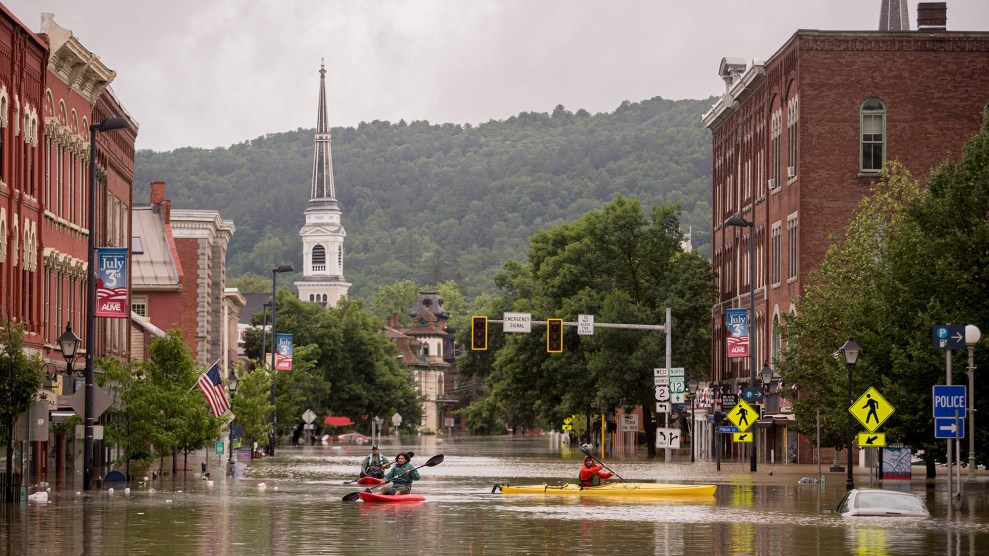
[479,333]
[554,335]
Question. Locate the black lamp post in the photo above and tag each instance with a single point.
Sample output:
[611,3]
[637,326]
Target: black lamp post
[851,351]
[232,382]
[110,124]
[692,388]
[739,222]
[767,378]
[274,276]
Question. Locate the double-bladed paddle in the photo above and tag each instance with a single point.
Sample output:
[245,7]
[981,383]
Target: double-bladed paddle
[435,460]
[590,455]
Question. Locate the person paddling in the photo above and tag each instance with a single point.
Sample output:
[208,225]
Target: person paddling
[374,464]
[590,474]
[400,476]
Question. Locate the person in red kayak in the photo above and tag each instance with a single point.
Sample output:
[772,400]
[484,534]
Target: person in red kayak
[590,474]
[401,476]
[374,464]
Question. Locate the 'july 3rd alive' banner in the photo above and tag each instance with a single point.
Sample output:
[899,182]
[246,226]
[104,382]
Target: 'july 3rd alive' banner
[283,352]
[111,283]
[738,332]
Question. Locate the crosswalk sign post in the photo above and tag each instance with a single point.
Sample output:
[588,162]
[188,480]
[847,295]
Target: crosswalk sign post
[742,416]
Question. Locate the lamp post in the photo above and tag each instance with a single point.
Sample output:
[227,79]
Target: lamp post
[110,124]
[232,382]
[851,351]
[692,388]
[766,374]
[274,276]
[972,337]
[738,222]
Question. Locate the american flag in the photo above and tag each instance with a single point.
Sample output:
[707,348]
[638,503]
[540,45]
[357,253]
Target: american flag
[214,390]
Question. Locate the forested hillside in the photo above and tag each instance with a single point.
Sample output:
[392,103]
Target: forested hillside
[433,203]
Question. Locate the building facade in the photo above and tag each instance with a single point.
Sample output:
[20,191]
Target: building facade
[323,234]
[797,139]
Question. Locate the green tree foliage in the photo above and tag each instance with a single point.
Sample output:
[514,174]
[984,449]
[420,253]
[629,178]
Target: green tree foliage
[623,267]
[252,406]
[20,382]
[433,203]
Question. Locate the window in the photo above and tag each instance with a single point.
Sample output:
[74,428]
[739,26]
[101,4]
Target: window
[792,116]
[791,247]
[319,258]
[777,131]
[873,131]
[139,306]
[776,338]
[776,238]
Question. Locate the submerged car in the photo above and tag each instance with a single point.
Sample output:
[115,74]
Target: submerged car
[884,503]
[353,437]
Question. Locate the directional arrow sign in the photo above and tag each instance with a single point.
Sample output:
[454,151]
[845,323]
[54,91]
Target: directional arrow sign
[742,437]
[949,428]
[872,439]
[948,336]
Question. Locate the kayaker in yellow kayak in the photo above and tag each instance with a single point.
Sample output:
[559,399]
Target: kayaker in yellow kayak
[399,478]
[590,474]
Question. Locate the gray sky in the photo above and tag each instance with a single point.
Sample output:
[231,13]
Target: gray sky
[209,73]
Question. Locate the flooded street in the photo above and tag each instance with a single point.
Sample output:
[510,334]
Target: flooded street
[292,505]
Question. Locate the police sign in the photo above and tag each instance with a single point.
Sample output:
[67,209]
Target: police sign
[949,401]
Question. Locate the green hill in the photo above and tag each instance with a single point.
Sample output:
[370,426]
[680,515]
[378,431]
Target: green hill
[444,202]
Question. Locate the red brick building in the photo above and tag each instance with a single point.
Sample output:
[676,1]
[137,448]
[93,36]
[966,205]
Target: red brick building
[797,140]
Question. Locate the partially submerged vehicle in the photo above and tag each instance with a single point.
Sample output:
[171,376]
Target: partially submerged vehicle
[881,503]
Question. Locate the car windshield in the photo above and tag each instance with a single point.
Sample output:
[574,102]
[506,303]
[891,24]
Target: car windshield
[889,501]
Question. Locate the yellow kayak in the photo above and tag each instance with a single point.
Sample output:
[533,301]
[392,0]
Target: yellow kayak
[613,489]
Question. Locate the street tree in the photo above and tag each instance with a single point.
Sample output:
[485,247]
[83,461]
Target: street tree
[20,383]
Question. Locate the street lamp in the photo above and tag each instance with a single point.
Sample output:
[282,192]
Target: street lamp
[692,388]
[738,222]
[851,351]
[972,337]
[112,123]
[274,275]
[767,377]
[232,382]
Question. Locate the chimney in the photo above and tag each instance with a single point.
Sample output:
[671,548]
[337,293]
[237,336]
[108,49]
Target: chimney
[932,16]
[157,192]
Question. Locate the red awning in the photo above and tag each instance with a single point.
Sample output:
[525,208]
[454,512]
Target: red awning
[337,421]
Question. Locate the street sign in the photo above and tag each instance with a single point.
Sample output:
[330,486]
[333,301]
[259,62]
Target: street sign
[948,336]
[663,393]
[668,438]
[872,439]
[516,322]
[743,416]
[742,437]
[752,394]
[948,400]
[678,397]
[677,384]
[677,371]
[871,409]
[661,372]
[949,428]
[728,401]
[629,422]
[585,325]
[726,429]
[661,380]
[308,416]
[218,448]
[662,407]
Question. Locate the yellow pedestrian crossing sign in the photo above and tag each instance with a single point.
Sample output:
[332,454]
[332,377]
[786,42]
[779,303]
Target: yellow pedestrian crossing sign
[871,409]
[872,440]
[742,416]
[742,436]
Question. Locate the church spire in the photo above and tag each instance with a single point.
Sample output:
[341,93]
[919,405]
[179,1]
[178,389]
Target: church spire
[322,190]
[893,16]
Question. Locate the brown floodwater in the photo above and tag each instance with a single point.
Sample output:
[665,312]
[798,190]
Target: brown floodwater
[292,504]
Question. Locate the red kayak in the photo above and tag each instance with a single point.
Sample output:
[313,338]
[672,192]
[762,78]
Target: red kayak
[370,481]
[392,498]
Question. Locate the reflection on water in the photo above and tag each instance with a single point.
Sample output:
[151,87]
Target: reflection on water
[300,511]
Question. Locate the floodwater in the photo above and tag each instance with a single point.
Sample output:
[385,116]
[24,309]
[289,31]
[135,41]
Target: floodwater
[292,504]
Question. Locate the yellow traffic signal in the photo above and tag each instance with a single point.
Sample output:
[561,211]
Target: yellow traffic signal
[554,335]
[479,333]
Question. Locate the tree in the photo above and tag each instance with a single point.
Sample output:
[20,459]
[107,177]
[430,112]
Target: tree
[20,382]
[251,406]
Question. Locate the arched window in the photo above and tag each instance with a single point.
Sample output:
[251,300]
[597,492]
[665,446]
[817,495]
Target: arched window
[873,135]
[312,297]
[776,338]
[318,258]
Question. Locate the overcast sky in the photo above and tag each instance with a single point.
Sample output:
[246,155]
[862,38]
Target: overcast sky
[209,73]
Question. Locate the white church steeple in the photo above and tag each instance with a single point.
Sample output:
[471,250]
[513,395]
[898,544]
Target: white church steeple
[322,235]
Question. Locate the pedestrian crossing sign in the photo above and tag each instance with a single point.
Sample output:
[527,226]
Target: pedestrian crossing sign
[871,409]
[743,416]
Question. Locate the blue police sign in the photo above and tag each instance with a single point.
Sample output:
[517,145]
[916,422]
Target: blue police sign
[949,401]
[949,428]
[948,336]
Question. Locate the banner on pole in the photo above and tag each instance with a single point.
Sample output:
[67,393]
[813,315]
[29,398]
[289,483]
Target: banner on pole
[111,283]
[283,352]
[738,332]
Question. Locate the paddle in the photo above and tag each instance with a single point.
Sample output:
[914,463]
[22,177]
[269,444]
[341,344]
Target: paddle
[435,460]
[589,454]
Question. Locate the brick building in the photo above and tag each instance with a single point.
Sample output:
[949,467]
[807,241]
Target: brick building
[798,138]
